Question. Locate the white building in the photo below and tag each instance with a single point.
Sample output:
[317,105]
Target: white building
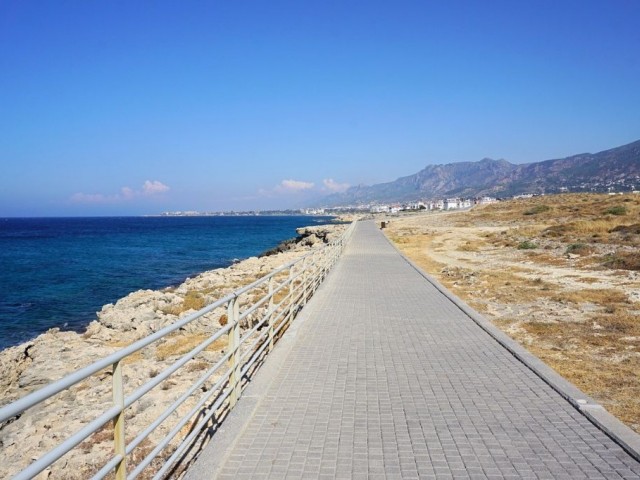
[451,204]
[379,209]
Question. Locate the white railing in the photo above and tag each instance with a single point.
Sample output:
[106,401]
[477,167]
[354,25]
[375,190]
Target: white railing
[287,289]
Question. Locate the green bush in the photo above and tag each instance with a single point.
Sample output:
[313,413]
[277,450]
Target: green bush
[578,248]
[618,210]
[537,209]
[527,245]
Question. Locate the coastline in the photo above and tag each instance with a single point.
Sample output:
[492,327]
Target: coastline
[58,272]
[31,365]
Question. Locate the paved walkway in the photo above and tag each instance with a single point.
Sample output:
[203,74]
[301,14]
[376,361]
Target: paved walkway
[384,377]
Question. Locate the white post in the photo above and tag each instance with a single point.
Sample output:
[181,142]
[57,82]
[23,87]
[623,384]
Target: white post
[305,275]
[234,348]
[293,306]
[271,313]
[119,440]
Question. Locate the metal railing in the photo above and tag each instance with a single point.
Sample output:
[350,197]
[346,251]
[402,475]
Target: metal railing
[287,289]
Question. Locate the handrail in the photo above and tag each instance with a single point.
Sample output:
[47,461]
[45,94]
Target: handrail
[245,351]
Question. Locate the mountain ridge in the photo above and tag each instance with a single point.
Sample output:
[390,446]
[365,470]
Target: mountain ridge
[617,168]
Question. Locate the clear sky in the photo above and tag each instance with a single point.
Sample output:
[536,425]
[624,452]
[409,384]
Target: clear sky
[124,108]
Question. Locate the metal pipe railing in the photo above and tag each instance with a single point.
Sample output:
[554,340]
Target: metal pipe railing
[300,280]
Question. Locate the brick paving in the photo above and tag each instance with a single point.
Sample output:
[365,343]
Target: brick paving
[387,378]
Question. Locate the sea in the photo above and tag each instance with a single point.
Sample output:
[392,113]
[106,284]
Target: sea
[58,272]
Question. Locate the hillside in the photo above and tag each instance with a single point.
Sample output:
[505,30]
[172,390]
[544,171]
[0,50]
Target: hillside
[618,168]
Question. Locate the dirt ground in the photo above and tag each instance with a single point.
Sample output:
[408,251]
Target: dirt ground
[559,274]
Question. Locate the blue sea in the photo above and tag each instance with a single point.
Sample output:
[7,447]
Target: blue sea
[58,272]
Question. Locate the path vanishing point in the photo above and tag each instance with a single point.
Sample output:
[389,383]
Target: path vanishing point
[384,374]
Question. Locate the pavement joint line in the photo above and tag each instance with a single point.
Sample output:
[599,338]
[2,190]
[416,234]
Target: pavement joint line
[596,413]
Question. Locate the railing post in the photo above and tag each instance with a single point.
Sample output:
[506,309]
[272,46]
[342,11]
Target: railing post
[119,440]
[292,306]
[271,313]
[305,275]
[234,348]
[320,274]
[326,258]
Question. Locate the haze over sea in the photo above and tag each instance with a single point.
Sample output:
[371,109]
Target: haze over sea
[58,272]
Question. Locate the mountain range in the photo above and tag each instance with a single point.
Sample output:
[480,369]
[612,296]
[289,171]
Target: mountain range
[617,169]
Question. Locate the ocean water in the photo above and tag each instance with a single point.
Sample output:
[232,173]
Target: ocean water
[58,272]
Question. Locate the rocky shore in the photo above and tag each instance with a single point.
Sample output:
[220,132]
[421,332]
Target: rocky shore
[54,354]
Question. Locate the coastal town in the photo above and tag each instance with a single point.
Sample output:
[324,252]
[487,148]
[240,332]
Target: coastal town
[391,208]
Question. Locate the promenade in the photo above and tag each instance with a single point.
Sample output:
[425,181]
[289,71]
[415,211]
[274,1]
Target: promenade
[383,376]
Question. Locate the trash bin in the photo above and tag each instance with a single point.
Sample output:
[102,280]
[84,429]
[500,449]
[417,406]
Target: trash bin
[383,224]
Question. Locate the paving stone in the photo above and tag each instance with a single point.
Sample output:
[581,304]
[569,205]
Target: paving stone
[387,377]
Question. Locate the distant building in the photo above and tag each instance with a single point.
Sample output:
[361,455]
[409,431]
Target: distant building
[437,205]
[379,209]
[451,204]
[312,211]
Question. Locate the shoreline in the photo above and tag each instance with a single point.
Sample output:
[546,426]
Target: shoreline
[55,353]
[68,298]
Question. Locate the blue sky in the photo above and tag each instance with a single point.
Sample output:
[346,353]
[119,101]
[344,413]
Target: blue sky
[125,108]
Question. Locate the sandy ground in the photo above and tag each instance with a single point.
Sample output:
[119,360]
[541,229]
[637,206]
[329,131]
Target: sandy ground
[579,317]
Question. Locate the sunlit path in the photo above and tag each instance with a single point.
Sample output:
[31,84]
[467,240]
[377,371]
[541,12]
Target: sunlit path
[383,376]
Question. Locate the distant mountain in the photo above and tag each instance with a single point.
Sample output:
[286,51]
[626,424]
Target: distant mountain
[618,168]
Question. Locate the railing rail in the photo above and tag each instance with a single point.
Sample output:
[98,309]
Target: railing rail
[288,288]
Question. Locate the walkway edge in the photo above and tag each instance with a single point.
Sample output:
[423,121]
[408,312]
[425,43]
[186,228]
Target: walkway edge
[596,413]
[211,460]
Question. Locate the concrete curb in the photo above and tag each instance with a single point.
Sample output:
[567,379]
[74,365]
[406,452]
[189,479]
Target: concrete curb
[610,425]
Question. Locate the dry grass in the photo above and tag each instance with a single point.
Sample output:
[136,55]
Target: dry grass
[623,260]
[413,247]
[558,208]
[591,357]
[474,245]
[598,296]
[197,366]
[193,300]
[105,434]
[130,359]
[280,295]
[183,342]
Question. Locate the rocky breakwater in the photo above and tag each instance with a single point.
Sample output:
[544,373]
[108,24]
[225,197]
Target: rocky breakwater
[54,354]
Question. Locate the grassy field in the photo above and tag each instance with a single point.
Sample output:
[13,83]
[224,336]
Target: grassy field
[560,274]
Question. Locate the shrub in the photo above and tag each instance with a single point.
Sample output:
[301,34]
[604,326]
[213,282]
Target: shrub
[527,245]
[579,249]
[537,209]
[623,260]
[617,210]
[627,229]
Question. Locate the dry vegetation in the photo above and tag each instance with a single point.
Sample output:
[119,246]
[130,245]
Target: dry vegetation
[181,343]
[559,274]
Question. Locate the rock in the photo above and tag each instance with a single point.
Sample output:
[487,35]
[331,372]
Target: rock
[310,241]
